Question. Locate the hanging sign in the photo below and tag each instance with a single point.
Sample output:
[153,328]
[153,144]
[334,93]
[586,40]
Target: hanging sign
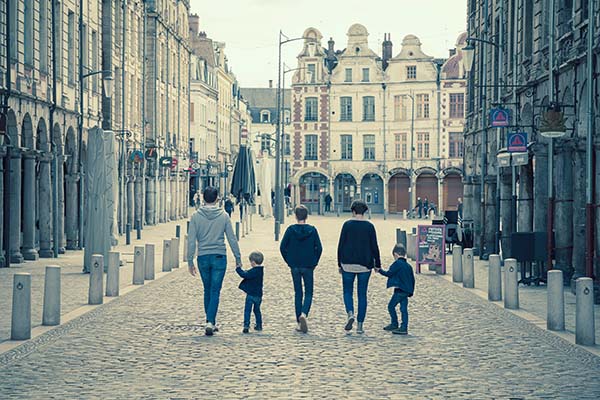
[499,117]
[552,124]
[174,163]
[195,165]
[165,161]
[136,156]
[151,154]
[431,246]
[517,142]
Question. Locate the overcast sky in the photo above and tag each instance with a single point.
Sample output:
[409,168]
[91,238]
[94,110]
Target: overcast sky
[250,27]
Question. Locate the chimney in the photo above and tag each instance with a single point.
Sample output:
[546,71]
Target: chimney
[330,45]
[270,83]
[194,22]
[386,49]
[452,52]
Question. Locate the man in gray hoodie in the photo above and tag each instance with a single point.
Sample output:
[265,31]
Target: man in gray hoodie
[208,228]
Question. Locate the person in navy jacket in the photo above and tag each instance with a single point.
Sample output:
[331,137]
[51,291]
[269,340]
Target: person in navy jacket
[252,285]
[402,279]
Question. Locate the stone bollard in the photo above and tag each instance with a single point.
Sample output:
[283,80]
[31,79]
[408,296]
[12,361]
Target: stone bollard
[250,218]
[166,262]
[468,269]
[401,237]
[51,314]
[556,301]
[112,275]
[95,292]
[149,262]
[511,284]
[178,231]
[584,314]
[237,230]
[185,248]
[138,265]
[187,227]
[175,253]
[457,269]
[20,328]
[494,278]
[409,246]
[404,214]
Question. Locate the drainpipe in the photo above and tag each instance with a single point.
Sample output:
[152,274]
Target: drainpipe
[52,139]
[589,155]
[7,211]
[499,134]
[80,128]
[482,250]
[144,161]
[550,215]
[123,149]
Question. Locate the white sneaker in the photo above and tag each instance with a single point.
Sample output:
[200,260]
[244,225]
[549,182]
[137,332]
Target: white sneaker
[349,322]
[359,328]
[302,323]
[298,328]
[208,331]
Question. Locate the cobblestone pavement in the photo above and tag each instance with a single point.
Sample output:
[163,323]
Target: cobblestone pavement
[150,345]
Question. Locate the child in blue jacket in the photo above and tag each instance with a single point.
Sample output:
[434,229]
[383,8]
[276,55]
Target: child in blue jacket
[252,285]
[402,279]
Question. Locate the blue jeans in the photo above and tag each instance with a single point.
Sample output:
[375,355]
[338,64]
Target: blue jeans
[253,302]
[212,271]
[402,299]
[303,301]
[362,287]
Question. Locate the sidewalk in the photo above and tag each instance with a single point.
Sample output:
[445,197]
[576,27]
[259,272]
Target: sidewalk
[74,284]
[532,299]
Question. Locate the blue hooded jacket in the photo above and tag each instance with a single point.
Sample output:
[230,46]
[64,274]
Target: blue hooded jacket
[301,246]
[400,275]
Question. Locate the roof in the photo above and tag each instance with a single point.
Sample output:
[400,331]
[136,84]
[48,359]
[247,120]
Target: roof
[262,98]
[203,48]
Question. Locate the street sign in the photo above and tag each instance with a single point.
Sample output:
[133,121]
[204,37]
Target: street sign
[431,246]
[151,154]
[499,117]
[195,165]
[136,156]
[165,161]
[174,163]
[517,142]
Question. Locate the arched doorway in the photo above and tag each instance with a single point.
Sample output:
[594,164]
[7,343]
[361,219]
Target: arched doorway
[313,186]
[399,195]
[427,188]
[345,189]
[453,190]
[372,192]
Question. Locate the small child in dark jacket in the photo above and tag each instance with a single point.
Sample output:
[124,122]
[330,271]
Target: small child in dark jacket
[252,285]
[402,279]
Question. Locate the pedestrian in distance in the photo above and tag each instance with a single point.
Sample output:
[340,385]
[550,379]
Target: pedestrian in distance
[357,254]
[229,207]
[252,285]
[425,208]
[328,201]
[420,207]
[402,279]
[301,249]
[208,227]
[460,208]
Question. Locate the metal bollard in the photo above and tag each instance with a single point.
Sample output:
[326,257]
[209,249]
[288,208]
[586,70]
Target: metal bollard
[556,301]
[175,253]
[166,261]
[138,265]
[187,228]
[177,231]
[51,314]
[404,214]
[112,275]
[369,211]
[95,292]
[20,328]
[494,278]
[414,231]
[409,241]
[185,248]
[511,285]
[401,237]
[149,262]
[457,269]
[468,269]
[127,233]
[138,230]
[250,216]
[237,230]
[584,312]
[337,211]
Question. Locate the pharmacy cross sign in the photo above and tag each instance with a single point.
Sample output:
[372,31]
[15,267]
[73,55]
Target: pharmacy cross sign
[517,142]
[499,117]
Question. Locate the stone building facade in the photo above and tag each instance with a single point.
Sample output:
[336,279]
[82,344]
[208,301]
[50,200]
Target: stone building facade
[353,118]
[515,71]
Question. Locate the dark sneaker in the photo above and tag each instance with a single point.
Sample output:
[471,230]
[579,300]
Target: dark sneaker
[210,328]
[303,323]
[349,323]
[246,330]
[216,328]
[258,327]
[400,331]
[390,327]
[359,328]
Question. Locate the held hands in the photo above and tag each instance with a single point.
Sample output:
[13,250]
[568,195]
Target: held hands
[192,269]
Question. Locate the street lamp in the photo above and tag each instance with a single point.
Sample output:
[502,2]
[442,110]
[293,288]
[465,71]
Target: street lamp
[412,151]
[107,83]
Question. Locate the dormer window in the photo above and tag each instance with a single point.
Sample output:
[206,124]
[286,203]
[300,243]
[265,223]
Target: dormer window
[311,72]
[411,72]
[365,74]
[265,117]
[348,75]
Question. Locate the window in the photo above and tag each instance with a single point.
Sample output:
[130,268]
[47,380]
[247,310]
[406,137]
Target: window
[348,75]
[286,145]
[457,105]
[310,110]
[44,36]
[422,106]
[455,145]
[368,108]
[28,33]
[311,73]
[411,72]
[192,112]
[346,109]
[95,60]
[310,150]
[265,117]
[265,144]
[85,53]
[346,147]
[13,28]
[422,145]
[57,20]
[399,109]
[369,147]
[528,29]
[401,145]
[71,47]
[365,74]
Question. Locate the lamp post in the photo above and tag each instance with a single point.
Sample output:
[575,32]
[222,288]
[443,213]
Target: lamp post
[107,81]
[278,212]
[412,151]
[384,87]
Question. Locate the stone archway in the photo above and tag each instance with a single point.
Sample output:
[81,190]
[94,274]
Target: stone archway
[28,190]
[312,189]
[71,189]
[371,189]
[426,188]
[44,191]
[12,208]
[344,191]
[453,190]
[399,192]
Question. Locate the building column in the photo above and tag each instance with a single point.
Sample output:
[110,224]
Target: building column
[129,200]
[15,206]
[440,199]
[563,209]
[162,208]
[540,189]
[490,215]
[62,239]
[138,196]
[45,205]
[525,199]
[413,190]
[29,217]
[505,211]
[384,197]
[3,152]
[71,211]
[579,221]
[173,195]
[150,193]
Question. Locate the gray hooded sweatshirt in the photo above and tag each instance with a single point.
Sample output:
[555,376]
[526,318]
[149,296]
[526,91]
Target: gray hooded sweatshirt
[208,227]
